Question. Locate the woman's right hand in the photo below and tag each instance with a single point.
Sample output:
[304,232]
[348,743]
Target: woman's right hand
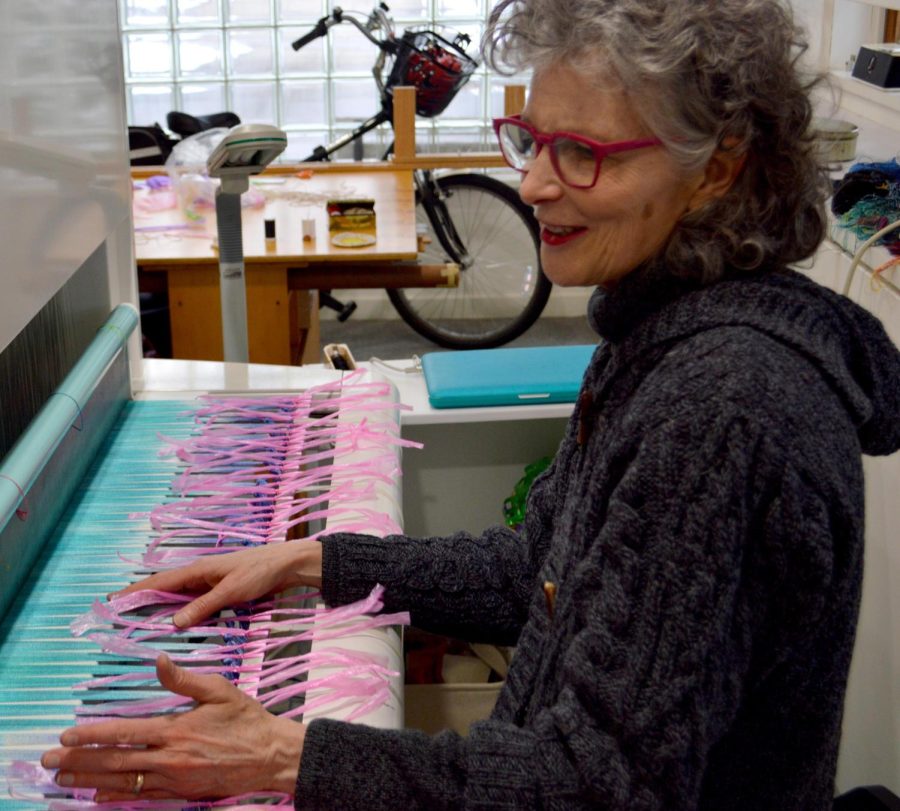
[236,577]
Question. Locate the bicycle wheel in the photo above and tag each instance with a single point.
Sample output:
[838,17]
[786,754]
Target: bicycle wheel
[502,293]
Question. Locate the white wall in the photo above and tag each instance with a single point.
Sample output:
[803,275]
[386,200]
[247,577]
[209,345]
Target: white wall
[854,24]
[809,14]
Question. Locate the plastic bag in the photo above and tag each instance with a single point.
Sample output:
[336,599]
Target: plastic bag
[196,190]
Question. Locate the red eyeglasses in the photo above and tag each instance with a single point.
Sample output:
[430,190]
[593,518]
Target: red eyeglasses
[575,158]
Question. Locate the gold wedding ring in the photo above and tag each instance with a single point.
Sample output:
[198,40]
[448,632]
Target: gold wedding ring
[138,783]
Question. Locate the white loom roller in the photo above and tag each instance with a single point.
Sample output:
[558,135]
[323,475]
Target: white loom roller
[383,643]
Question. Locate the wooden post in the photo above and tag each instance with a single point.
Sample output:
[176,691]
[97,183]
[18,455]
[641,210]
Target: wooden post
[513,99]
[891,26]
[405,135]
[404,124]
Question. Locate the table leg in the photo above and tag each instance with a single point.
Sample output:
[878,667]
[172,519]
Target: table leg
[269,314]
[305,337]
[195,313]
[282,325]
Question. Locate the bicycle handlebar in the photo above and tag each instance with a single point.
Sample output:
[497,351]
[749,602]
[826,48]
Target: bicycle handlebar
[335,18]
[320,30]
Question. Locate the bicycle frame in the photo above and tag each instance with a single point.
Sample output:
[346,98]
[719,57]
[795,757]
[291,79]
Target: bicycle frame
[432,199]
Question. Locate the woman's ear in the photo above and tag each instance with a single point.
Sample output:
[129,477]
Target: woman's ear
[721,171]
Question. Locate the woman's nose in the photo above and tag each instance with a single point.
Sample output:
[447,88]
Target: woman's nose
[540,183]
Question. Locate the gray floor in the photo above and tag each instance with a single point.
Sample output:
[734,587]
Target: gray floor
[393,339]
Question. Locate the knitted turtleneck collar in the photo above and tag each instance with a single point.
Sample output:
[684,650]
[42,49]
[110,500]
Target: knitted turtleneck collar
[614,313]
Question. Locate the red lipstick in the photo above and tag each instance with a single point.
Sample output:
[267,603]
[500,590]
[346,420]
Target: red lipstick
[553,238]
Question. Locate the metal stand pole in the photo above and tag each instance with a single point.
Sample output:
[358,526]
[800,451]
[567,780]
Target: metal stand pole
[232,283]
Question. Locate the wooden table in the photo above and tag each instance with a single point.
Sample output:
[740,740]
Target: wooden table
[178,254]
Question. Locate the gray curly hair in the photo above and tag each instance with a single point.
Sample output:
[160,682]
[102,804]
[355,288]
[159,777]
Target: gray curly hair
[703,75]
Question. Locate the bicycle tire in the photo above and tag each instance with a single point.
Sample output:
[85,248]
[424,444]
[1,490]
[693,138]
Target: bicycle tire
[503,292]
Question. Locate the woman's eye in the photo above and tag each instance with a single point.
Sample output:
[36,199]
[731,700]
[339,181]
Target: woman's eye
[573,151]
[526,144]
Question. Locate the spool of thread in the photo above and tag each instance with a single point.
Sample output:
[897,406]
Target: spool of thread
[270,234]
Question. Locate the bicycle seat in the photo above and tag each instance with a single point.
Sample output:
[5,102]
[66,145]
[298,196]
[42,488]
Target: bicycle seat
[185,124]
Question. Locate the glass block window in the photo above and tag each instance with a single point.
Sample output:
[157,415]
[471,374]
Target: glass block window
[205,56]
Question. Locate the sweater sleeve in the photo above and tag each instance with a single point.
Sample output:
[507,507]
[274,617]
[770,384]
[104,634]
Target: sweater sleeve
[659,637]
[473,587]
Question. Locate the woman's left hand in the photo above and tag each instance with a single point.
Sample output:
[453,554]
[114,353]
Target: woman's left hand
[227,745]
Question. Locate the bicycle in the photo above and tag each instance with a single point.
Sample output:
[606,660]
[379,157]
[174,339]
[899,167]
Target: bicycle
[470,219]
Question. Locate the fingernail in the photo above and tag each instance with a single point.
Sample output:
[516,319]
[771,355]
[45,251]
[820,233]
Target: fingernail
[180,620]
[65,779]
[69,739]
[50,761]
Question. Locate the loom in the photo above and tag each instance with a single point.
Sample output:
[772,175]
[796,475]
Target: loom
[106,476]
[172,479]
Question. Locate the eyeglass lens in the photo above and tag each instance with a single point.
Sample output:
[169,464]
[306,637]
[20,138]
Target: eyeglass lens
[576,163]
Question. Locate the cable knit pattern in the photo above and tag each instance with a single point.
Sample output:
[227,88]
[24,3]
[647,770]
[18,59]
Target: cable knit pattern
[703,523]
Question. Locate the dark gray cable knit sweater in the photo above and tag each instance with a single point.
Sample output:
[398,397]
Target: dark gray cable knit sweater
[703,526]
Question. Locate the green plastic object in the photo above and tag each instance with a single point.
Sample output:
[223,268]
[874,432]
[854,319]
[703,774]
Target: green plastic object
[514,506]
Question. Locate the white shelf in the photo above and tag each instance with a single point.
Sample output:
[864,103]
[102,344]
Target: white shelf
[887,97]
[875,111]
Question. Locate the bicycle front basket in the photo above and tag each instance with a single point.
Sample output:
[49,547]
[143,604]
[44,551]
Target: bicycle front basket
[436,67]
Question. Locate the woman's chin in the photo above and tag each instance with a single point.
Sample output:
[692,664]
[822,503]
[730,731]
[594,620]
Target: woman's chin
[569,277]
[562,274]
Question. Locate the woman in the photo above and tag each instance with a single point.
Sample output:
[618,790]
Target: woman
[684,594]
